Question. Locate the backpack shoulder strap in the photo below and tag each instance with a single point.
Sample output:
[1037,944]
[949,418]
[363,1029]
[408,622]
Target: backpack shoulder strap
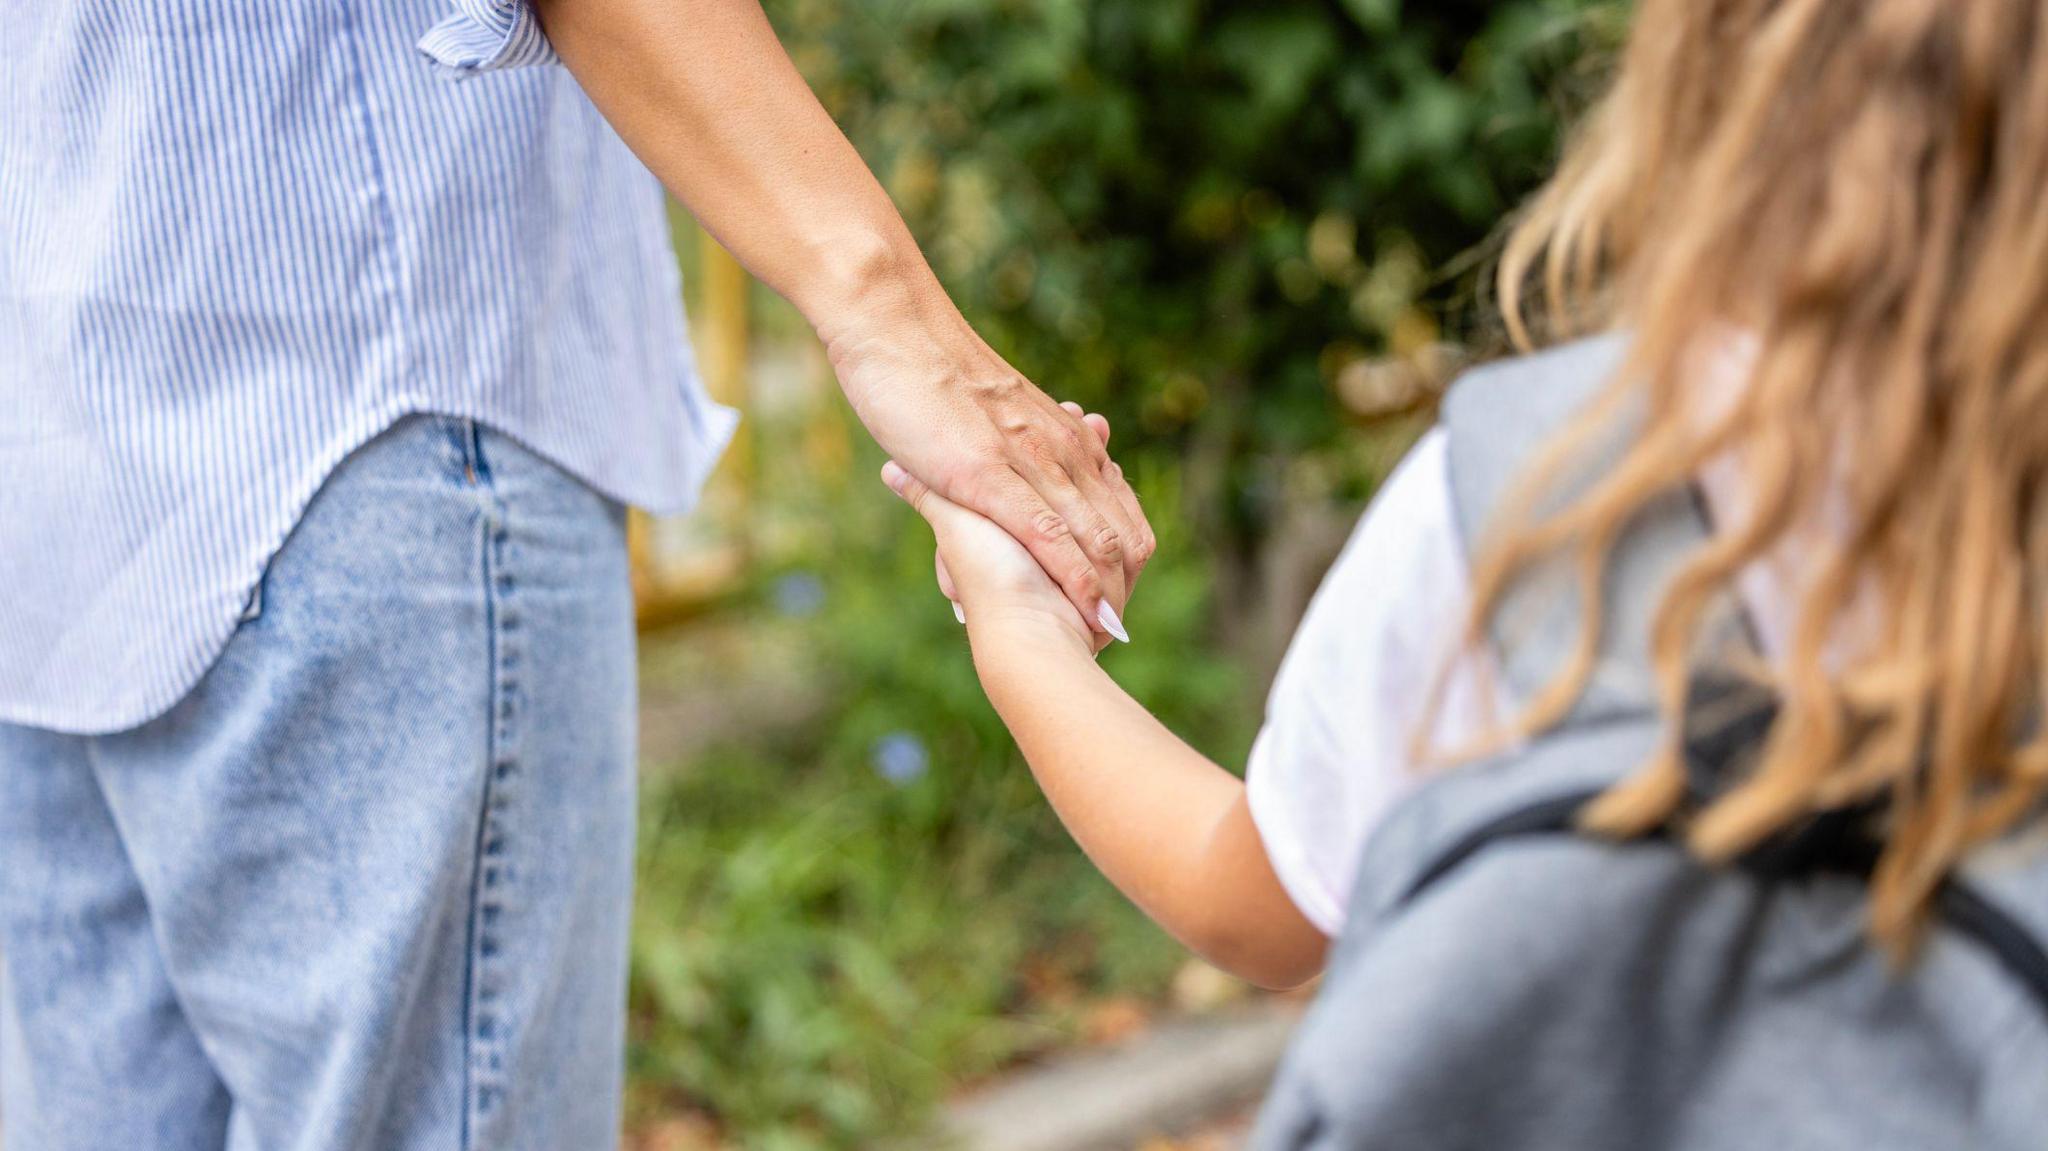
[2009,879]
[1497,419]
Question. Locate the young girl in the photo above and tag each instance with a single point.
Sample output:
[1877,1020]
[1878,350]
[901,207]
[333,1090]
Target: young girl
[1821,224]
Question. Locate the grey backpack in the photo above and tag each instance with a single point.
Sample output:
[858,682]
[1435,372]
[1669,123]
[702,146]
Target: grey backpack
[1504,983]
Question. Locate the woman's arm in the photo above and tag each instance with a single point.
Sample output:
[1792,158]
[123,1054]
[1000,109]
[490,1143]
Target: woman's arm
[1169,827]
[704,94]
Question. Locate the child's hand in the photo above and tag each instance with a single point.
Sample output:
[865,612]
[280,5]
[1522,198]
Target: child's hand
[990,577]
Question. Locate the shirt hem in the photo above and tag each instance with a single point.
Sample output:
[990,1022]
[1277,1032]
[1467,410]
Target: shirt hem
[714,433]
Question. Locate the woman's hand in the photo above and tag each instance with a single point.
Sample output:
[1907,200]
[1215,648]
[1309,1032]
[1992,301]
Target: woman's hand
[954,415]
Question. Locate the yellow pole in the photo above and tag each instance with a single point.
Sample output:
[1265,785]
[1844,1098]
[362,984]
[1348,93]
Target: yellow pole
[668,583]
[723,354]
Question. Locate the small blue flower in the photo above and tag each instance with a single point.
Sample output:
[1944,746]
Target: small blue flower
[900,758]
[799,594]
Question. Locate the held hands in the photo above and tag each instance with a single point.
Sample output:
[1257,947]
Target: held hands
[981,438]
[993,581]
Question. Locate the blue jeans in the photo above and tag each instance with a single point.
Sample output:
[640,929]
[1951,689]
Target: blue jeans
[368,885]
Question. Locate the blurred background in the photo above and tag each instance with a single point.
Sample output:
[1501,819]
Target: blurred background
[1255,235]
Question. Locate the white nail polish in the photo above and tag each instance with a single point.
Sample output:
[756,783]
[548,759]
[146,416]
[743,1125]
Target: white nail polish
[959,613]
[1106,616]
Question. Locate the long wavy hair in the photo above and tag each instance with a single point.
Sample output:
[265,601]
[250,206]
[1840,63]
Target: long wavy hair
[1855,191]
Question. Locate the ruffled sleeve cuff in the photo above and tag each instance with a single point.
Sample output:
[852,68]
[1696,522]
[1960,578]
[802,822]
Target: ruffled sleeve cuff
[485,36]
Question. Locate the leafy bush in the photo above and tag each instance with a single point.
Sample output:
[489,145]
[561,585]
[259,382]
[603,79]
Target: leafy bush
[1197,215]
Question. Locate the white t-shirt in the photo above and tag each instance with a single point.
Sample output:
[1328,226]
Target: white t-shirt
[1336,751]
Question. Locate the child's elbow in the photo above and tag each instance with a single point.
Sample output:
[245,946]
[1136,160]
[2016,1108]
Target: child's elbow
[1275,960]
[1279,972]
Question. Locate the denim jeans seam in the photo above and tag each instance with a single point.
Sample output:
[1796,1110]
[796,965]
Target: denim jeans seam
[485,1023]
[466,451]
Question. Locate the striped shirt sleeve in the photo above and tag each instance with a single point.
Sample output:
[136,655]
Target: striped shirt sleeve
[487,35]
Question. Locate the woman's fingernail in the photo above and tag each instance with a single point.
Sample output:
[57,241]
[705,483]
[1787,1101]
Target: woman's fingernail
[959,613]
[1106,616]
[894,475]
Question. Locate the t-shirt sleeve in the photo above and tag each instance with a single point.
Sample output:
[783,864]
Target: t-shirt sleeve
[1337,748]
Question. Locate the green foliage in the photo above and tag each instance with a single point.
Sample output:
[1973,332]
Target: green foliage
[1168,208]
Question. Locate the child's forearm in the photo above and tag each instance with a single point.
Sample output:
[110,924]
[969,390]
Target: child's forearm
[1168,826]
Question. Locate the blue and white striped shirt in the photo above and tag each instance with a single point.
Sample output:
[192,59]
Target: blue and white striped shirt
[238,238]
